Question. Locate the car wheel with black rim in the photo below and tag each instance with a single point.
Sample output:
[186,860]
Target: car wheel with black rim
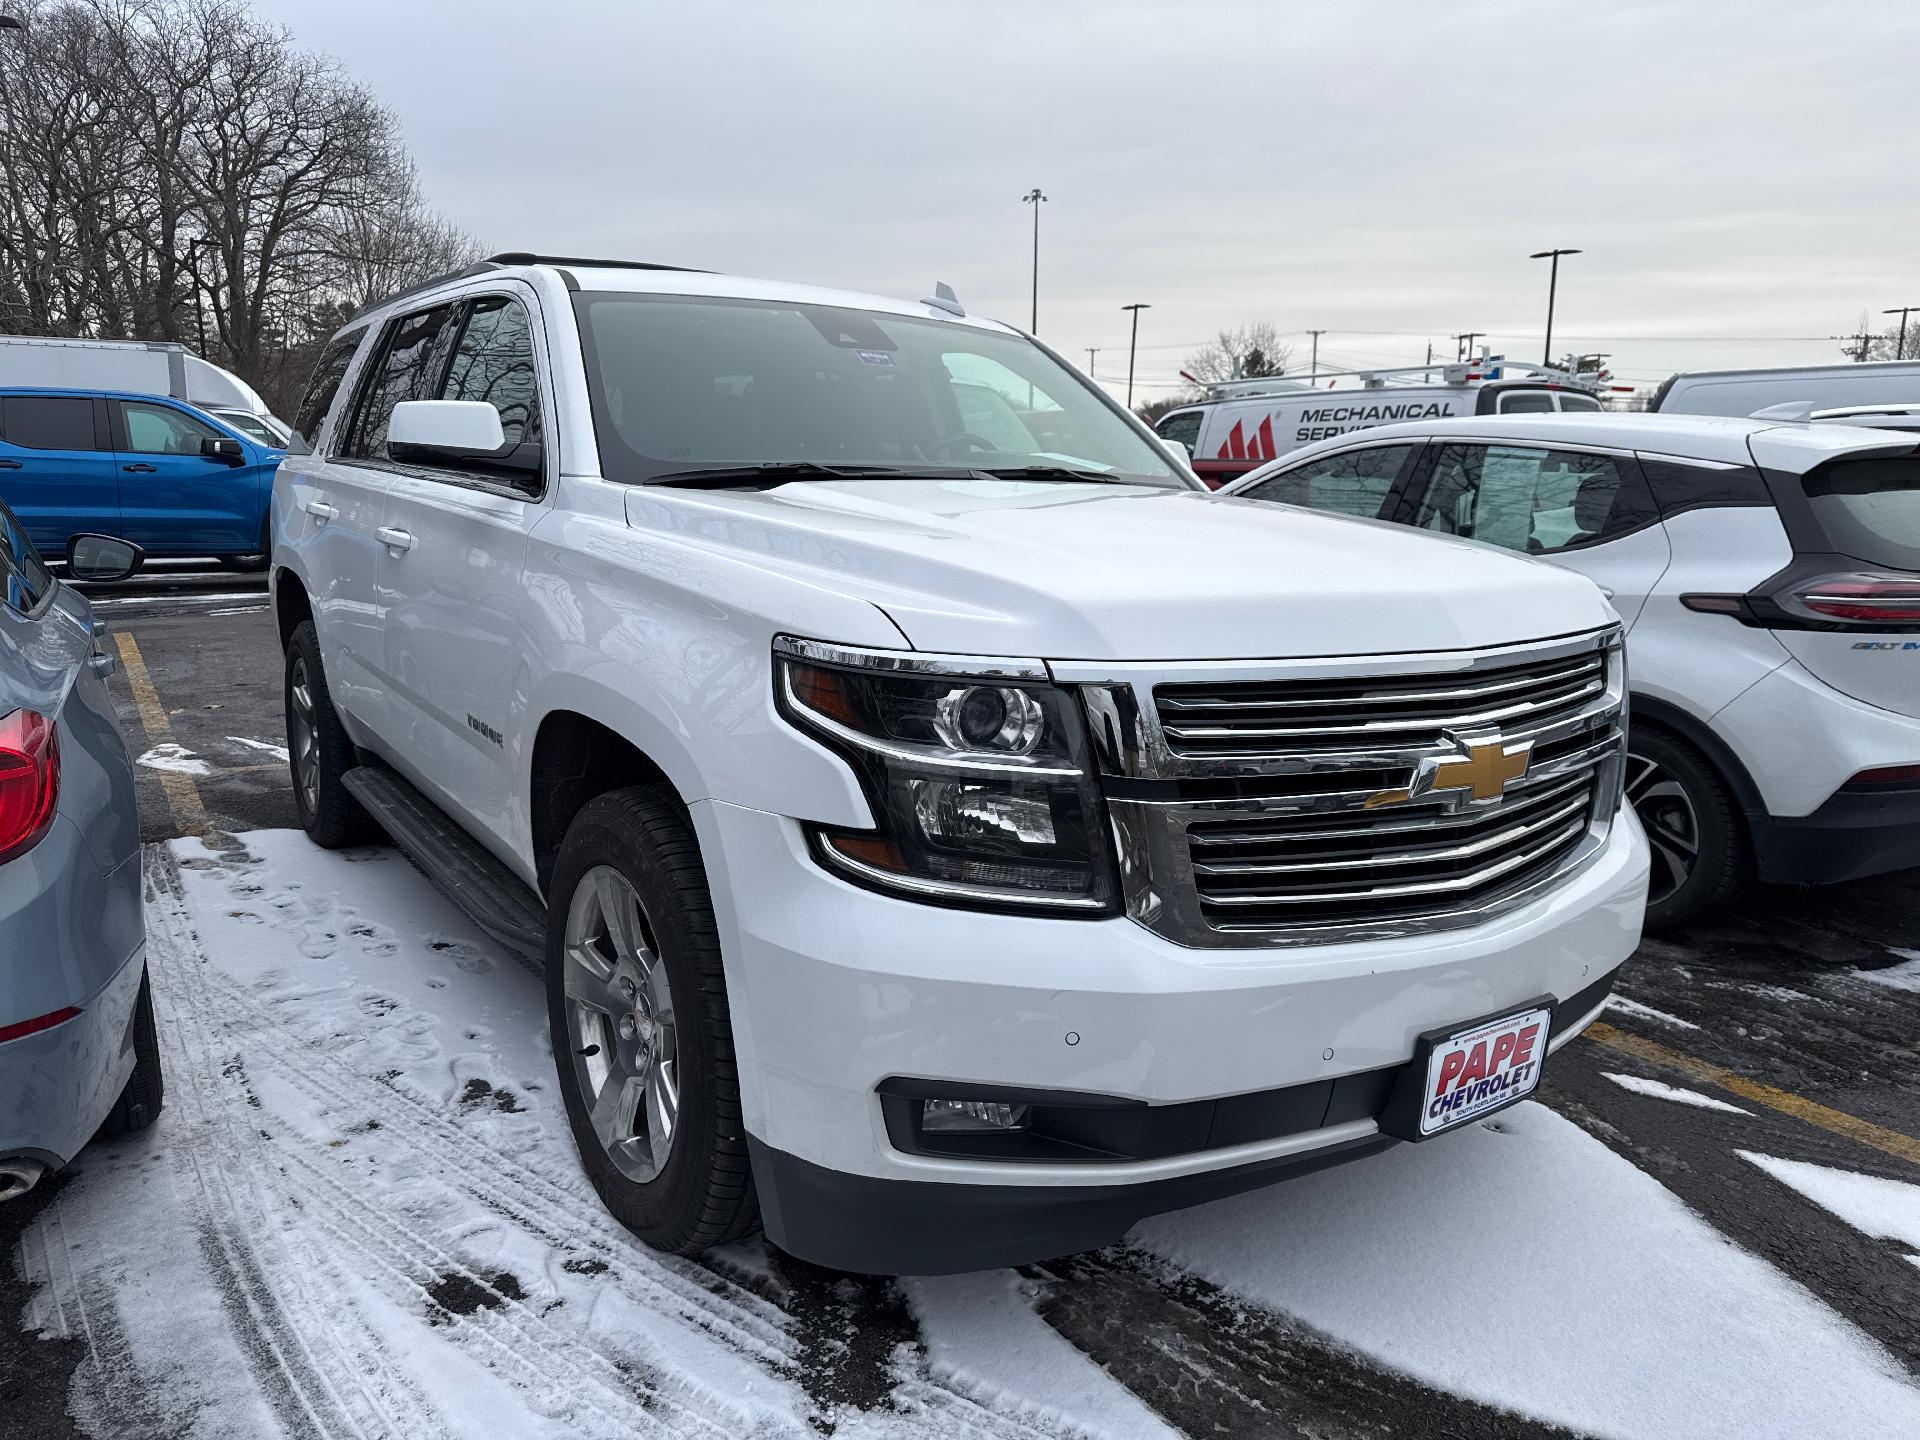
[319,753]
[637,1007]
[1695,833]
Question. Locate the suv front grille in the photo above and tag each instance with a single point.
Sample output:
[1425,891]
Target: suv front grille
[1382,864]
[1300,716]
[1306,801]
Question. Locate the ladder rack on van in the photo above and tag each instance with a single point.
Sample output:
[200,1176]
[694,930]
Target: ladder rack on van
[1453,372]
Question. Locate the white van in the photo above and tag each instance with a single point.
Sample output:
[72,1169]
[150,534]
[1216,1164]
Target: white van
[1742,392]
[149,367]
[1243,424]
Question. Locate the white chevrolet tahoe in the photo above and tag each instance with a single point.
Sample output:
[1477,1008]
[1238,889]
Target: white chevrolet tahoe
[951,832]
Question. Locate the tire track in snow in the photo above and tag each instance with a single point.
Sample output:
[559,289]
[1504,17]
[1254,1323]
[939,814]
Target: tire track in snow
[319,1368]
[793,1320]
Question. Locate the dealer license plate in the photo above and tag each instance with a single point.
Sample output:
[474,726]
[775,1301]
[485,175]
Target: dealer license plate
[1472,1072]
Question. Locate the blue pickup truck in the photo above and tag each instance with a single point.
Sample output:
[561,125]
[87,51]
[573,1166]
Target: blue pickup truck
[171,478]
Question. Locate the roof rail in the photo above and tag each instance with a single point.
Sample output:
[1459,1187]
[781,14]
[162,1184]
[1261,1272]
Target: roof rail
[528,257]
[1451,372]
[479,267]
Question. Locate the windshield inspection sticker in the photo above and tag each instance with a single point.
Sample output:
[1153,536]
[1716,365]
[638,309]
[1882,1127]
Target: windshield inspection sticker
[874,357]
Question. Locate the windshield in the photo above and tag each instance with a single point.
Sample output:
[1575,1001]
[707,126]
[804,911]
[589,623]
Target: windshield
[1870,509]
[251,426]
[685,383]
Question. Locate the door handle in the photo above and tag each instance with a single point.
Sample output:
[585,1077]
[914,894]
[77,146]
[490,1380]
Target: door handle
[9,464]
[319,509]
[393,539]
[138,469]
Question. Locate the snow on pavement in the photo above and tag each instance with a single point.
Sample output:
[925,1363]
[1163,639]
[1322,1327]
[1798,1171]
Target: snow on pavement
[1647,1012]
[361,1214]
[1903,976]
[1521,1263]
[1660,1090]
[1872,1204]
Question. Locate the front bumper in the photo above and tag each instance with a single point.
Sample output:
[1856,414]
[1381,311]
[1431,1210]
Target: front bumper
[835,990]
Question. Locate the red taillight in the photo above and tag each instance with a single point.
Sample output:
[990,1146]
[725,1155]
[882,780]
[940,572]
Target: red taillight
[1862,600]
[36,1025]
[29,781]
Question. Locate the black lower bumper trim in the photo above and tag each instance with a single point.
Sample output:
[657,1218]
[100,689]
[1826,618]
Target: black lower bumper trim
[1863,830]
[907,1227]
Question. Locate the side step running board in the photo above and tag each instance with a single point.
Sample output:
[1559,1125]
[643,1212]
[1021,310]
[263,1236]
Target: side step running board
[495,899]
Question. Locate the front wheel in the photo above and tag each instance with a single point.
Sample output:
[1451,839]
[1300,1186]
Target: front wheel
[637,1007]
[1701,859]
[319,753]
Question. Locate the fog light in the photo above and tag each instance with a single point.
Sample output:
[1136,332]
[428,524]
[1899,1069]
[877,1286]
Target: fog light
[971,1117]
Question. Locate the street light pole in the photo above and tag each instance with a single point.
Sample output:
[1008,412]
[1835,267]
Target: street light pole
[1133,344]
[1900,350]
[1553,285]
[1034,198]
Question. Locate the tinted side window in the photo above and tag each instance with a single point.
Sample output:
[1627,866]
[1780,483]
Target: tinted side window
[1353,483]
[328,372]
[494,362]
[412,359]
[1530,500]
[1182,425]
[163,430]
[24,581]
[1585,404]
[1679,486]
[48,422]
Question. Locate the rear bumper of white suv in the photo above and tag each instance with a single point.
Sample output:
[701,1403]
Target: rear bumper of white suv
[1203,1071]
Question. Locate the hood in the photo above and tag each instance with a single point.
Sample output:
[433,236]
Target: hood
[1110,572]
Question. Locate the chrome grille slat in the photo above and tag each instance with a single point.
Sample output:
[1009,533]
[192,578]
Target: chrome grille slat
[1513,834]
[1450,885]
[1175,703]
[1470,721]
[1203,836]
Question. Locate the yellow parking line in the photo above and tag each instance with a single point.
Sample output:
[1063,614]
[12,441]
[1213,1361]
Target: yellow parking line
[1837,1122]
[183,796]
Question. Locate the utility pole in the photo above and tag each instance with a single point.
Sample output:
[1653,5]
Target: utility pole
[1463,343]
[1316,334]
[1429,352]
[1900,350]
[1034,198]
[1553,285]
[1133,344]
[1091,353]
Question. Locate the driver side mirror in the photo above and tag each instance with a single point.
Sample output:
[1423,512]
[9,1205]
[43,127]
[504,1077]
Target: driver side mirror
[460,435]
[225,449]
[102,557]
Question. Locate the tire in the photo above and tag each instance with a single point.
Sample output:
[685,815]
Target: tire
[1701,856]
[319,754]
[687,1187]
[146,1089]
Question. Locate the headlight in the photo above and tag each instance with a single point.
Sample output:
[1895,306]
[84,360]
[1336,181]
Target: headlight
[977,772]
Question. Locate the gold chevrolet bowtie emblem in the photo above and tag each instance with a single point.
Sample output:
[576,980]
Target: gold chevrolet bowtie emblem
[1483,775]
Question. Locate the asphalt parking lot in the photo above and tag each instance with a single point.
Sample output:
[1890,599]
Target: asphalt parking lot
[1763,1069]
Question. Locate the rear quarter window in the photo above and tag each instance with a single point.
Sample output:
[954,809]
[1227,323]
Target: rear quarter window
[1870,508]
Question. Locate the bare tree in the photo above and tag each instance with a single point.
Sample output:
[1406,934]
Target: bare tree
[177,168]
[1868,344]
[1252,352]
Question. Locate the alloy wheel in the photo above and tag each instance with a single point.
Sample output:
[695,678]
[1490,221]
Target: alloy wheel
[621,1025]
[303,737]
[1672,824]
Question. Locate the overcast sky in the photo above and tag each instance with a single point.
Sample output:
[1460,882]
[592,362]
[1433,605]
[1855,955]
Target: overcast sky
[1741,176]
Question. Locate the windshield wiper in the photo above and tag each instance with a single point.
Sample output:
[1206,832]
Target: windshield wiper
[775,472]
[1049,472]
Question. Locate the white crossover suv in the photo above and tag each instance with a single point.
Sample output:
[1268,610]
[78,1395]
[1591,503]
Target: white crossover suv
[950,831]
[1768,575]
